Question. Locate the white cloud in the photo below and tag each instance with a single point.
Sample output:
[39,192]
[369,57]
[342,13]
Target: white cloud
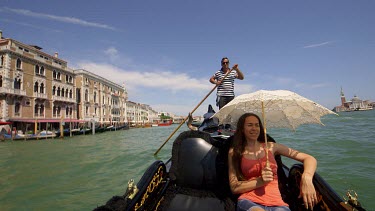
[71,20]
[165,80]
[318,45]
[112,53]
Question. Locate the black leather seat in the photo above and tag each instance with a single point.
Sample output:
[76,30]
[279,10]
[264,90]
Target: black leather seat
[199,174]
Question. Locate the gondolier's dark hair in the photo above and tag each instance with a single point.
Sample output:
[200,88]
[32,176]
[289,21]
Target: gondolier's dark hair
[224,59]
[239,142]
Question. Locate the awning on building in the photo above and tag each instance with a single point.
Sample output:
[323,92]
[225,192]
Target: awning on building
[5,123]
[46,120]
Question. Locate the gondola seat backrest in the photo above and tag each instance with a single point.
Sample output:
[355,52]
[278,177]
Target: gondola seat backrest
[199,174]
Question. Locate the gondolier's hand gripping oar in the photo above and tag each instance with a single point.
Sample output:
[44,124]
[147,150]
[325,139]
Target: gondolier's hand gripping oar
[170,136]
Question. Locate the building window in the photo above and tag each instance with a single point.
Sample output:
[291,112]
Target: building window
[71,94]
[41,70]
[58,111]
[17,83]
[36,87]
[41,88]
[54,90]
[56,75]
[36,110]
[94,97]
[86,95]
[62,92]
[17,109]
[39,110]
[2,61]
[19,64]
[1,81]
[36,69]
[58,91]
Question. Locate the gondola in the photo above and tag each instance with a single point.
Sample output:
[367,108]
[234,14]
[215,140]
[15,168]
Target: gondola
[196,178]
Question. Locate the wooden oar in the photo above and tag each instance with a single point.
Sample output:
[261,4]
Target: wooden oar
[170,136]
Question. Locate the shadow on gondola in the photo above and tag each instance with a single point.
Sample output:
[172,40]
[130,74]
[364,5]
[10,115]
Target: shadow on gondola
[196,178]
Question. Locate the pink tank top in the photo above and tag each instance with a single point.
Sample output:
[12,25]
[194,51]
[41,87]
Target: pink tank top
[268,195]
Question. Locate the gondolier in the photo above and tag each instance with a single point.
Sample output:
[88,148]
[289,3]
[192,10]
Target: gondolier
[225,86]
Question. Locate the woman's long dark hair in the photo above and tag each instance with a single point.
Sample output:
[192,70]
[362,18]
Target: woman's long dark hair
[239,143]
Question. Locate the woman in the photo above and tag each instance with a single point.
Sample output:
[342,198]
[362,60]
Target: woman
[254,180]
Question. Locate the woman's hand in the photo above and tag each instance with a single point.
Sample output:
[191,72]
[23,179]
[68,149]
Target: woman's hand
[267,174]
[307,191]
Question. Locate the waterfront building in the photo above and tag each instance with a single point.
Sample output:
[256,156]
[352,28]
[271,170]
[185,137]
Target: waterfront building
[140,114]
[99,99]
[34,86]
[38,91]
[356,104]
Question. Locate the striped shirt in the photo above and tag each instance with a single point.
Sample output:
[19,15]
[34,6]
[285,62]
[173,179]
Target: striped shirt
[226,88]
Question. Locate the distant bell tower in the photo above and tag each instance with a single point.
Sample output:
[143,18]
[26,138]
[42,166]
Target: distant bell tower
[343,100]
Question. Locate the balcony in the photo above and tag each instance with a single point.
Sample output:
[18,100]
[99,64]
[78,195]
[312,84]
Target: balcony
[63,99]
[40,95]
[11,91]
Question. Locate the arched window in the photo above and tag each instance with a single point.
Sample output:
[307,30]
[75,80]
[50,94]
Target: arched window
[71,94]
[19,64]
[58,91]
[54,90]
[95,98]
[67,111]
[54,74]
[42,88]
[62,92]
[17,83]
[66,92]
[2,61]
[1,81]
[36,87]
[36,69]
[41,70]
[58,76]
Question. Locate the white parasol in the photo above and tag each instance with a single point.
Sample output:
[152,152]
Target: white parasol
[282,108]
[278,108]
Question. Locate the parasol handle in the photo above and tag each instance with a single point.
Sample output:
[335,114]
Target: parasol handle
[265,135]
[200,103]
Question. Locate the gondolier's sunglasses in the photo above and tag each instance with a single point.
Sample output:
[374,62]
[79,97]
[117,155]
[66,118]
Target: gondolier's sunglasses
[225,63]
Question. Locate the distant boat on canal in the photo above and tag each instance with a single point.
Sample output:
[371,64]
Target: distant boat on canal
[166,122]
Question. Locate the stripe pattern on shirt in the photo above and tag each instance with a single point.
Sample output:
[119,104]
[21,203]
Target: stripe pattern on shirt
[226,88]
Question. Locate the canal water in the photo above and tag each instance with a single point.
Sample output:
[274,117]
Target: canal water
[83,172]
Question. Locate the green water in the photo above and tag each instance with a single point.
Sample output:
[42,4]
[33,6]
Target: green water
[82,172]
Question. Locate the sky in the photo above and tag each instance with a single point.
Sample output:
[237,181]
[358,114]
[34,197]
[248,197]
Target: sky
[166,51]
